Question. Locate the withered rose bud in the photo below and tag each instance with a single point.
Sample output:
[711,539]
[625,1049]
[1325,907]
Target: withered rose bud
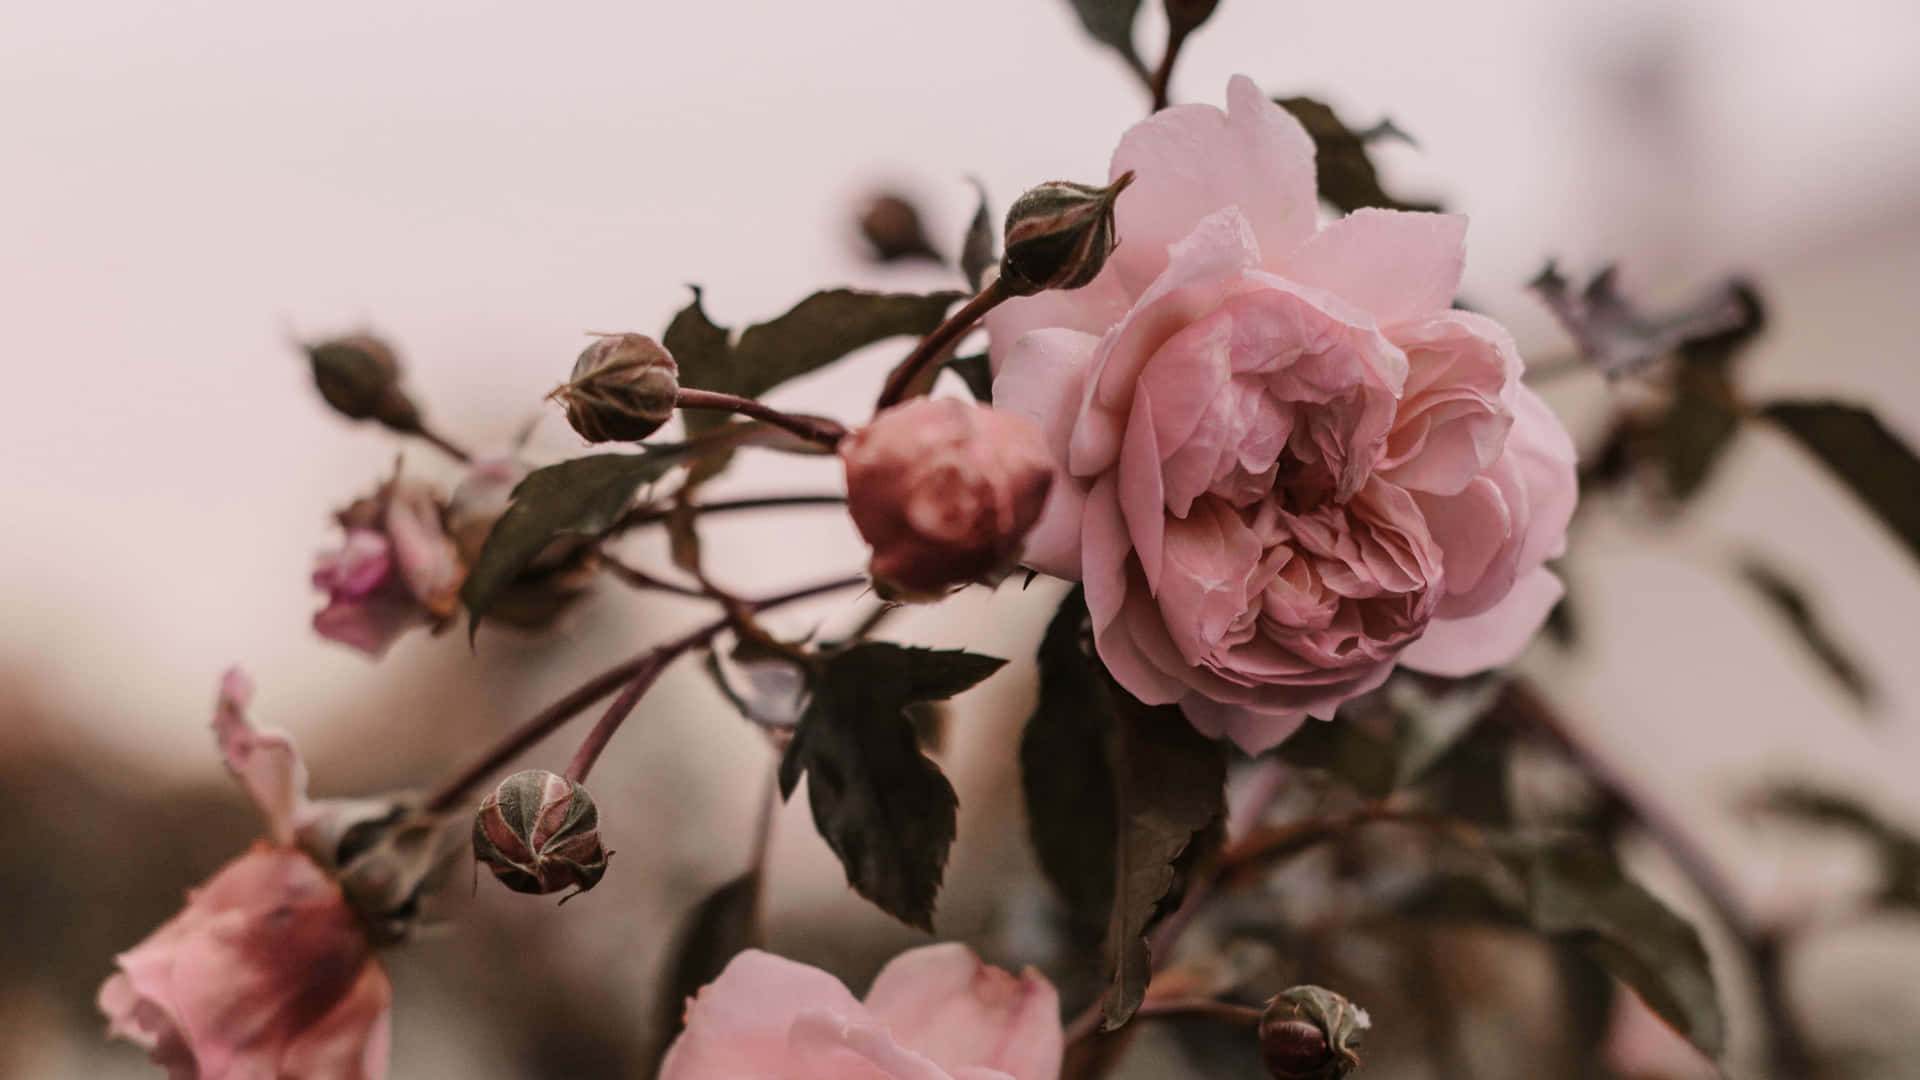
[623,388]
[539,833]
[1059,236]
[1308,1033]
[360,377]
[891,226]
[945,491]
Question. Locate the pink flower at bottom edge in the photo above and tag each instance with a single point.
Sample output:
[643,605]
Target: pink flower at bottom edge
[934,1013]
[265,972]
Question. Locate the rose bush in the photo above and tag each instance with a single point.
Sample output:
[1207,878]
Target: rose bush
[1285,462]
[934,1013]
[267,971]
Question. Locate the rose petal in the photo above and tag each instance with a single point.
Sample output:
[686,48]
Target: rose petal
[265,762]
[1452,648]
[738,1025]
[1043,380]
[1190,161]
[1396,265]
[947,1004]
[822,1045]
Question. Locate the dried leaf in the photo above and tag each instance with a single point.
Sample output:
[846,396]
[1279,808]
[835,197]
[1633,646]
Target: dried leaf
[976,252]
[723,925]
[1790,602]
[976,373]
[880,804]
[1110,22]
[1065,773]
[1896,846]
[1874,462]
[1616,336]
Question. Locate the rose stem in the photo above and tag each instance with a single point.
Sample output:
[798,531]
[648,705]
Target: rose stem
[924,354]
[1786,1045]
[1157,82]
[640,579]
[649,515]
[814,429]
[543,723]
[445,445]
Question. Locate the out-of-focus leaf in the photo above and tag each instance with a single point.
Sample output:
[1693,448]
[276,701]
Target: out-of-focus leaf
[683,536]
[1110,22]
[1186,16]
[880,804]
[976,252]
[1576,892]
[1790,602]
[723,925]
[975,372]
[1434,718]
[1897,847]
[1347,177]
[1342,749]
[890,224]
[1617,336]
[1875,464]
[580,497]
[1169,786]
[1123,800]
[814,333]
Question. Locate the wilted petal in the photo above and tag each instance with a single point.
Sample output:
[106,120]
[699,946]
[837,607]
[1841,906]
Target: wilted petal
[265,762]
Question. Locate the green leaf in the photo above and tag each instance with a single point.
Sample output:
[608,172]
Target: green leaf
[723,925]
[1577,892]
[1789,601]
[1065,773]
[1123,799]
[1896,847]
[976,252]
[976,373]
[1169,785]
[814,333]
[880,804]
[1346,174]
[1875,463]
[1110,22]
[580,497]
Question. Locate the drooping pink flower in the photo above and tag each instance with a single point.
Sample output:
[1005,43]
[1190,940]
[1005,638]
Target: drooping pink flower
[396,568]
[267,971]
[934,1013]
[1286,463]
[944,491]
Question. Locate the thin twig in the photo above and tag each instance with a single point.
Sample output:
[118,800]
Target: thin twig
[653,515]
[1157,82]
[908,372]
[445,445]
[640,579]
[814,429]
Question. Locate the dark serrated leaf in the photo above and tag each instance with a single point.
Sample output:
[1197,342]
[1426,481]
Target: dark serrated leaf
[580,497]
[1347,177]
[1874,462]
[976,251]
[977,374]
[1064,770]
[1577,892]
[1110,22]
[1896,847]
[1169,791]
[1789,601]
[1615,335]
[880,804]
[723,925]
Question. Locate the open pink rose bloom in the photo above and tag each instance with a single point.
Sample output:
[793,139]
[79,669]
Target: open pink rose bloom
[1286,463]
[266,974]
[934,1013]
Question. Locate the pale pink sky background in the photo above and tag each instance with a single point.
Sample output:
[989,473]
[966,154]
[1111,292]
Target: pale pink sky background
[185,183]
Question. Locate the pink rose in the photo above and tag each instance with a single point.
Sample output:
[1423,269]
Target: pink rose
[945,491]
[1286,463]
[395,569]
[934,1013]
[267,972]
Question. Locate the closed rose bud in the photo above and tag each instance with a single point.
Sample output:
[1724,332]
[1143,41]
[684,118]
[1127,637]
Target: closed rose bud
[1059,236]
[945,492]
[360,377]
[891,226]
[539,833]
[623,388]
[1308,1033]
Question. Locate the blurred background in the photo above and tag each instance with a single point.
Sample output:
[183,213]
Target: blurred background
[190,187]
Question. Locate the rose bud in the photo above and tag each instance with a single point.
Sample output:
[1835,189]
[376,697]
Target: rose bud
[623,388]
[1308,1033]
[945,492]
[539,833]
[891,227]
[1059,236]
[360,377]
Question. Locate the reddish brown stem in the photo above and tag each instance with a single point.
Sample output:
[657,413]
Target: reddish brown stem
[924,355]
[814,429]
